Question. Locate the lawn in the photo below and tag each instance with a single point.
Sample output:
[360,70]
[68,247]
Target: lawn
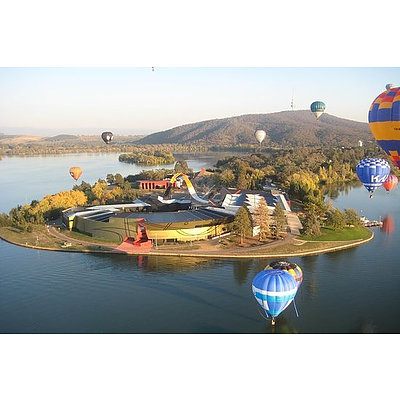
[337,235]
[86,238]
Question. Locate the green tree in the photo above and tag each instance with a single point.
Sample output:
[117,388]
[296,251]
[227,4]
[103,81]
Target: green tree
[226,178]
[110,179]
[279,220]
[242,225]
[311,224]
[182,166]
[351,217]
[262,219]
[119,180]
[336,219]
[4,220]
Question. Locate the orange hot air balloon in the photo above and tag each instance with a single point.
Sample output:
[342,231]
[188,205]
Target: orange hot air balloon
[75,172]
[390,183]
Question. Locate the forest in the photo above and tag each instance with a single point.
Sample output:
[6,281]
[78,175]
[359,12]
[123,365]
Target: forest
[155,157]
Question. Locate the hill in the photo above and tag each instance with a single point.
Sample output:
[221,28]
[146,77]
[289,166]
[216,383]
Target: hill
[61,138]
[286,128]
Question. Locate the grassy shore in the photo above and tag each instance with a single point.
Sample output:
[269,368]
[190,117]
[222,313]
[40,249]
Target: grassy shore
[338,235]
[41,238]
[329,240]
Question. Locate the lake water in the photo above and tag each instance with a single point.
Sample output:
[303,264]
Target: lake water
[351,291]
[24,179]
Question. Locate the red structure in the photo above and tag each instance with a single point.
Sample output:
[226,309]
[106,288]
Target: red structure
[141,245]
[153,185]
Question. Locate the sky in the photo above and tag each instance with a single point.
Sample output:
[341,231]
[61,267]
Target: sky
[51,101]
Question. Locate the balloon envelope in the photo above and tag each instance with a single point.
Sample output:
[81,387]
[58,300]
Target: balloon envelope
[274,290]
[292,268]
[260,135]
[107,137]
[384,122]
[372,172]
[75,172]
[390,183]
[317,108]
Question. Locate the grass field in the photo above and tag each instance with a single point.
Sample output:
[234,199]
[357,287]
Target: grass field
[40,237]
[338,235]
[86,238]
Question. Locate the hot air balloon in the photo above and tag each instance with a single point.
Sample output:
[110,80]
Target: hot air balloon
[390,183]
[388,225]
[260,135]
[75,172]
[274,290]
[384,122]
[372,172]
[317,108]
[390,86]
[107,137]
[292,268]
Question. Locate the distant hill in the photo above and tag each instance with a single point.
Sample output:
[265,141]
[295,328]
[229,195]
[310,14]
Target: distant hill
[18,139]
[291,128]
[61,138]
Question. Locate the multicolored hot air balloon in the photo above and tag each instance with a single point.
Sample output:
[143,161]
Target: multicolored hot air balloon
[292,268]
[260,135]
[372,172]
[75,172]
[390,183]
[107,137]
[274,290]
[317,108]
[384,122]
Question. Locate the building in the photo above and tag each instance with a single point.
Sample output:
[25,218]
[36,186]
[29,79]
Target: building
[251,198]
[119,225]
[154,184]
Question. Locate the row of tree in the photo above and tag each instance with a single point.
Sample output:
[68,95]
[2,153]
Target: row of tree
[269,226]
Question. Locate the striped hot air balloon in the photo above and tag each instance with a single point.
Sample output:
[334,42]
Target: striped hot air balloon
[274,290]
[372,172]
[290,267]
[384,122]
[390,183]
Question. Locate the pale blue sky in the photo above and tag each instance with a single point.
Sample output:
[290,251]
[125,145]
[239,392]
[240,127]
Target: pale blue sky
[136,100]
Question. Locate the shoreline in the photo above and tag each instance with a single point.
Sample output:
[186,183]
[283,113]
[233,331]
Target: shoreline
[339,247]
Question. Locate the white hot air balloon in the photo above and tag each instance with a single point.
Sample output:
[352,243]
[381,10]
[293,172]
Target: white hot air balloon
[260,135]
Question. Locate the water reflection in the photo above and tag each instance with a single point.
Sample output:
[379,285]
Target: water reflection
[309,266]
[241,272]
[388,225]
[334,191]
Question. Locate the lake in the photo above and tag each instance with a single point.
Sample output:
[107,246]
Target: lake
[352,291]
[30,178]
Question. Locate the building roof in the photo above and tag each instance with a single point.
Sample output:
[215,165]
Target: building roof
[178,216]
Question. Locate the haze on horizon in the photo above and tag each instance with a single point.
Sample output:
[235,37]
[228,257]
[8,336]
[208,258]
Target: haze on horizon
[51,101]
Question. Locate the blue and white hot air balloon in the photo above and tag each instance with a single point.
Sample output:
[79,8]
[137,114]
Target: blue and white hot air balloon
[274,290]
[317,108]
[372,173]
